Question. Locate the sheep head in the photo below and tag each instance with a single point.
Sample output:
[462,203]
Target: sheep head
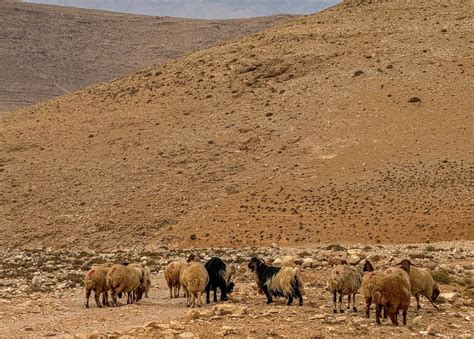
[405,265]
[255,263]
[368,267]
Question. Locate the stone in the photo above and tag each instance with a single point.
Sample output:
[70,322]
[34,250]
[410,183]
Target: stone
[449,296]
[225,309]
[353,259]
[187,335]
[417,320]
[307,263]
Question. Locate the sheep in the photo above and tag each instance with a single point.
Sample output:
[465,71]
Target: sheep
[145,283]
[277,281]
[390,292]
[172,273]
[194,279]
[219,277]
[95,280]
[345,280]
[422,284]
[401,270]
[370,276]
[122,278]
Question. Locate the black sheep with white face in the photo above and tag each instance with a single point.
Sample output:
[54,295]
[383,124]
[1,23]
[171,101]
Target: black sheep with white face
[277,281]
[219,277]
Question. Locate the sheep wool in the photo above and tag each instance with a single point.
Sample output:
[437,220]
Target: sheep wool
[423,284]
[95,280]
[172,274]
[122,278]
[345,280]
[194,278]
[390,292]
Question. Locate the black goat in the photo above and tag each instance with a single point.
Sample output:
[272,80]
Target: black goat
[277,281]
[219,277]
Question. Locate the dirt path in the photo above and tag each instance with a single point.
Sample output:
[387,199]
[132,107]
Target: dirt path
[55,314]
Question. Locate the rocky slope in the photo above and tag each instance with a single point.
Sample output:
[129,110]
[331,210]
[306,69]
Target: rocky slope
[354,125]
[47,51]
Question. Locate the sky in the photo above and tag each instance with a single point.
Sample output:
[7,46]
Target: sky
[200,9]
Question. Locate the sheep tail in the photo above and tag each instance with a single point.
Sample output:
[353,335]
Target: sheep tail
[299,280]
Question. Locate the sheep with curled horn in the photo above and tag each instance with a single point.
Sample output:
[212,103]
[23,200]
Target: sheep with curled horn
[278,281]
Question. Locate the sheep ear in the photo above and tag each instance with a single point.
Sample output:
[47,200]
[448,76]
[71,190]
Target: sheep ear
[368,267]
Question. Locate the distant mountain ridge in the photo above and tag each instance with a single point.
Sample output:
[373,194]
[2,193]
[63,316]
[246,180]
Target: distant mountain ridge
[48,50]
[201,9]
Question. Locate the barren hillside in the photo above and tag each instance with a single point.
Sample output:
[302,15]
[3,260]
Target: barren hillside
[46,51]
[351,125]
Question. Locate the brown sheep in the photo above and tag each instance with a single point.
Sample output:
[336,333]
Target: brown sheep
[122,278]
[145,282]
[194,279]
[390,292]
[95,280]
[172,274]
[422,284]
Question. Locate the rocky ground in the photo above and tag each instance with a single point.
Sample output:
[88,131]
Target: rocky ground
[41,295]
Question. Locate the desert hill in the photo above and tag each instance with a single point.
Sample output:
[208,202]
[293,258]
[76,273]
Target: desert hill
[351,125]
[49,50]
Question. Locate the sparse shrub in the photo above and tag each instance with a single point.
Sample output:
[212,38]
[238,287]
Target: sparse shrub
[441,277]
[335,247]
[431,248]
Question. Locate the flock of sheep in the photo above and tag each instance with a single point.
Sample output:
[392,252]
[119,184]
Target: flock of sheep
[390,290]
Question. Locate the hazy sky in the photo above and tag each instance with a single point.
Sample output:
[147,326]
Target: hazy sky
[203,9]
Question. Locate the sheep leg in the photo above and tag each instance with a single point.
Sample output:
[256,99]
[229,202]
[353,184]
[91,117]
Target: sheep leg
[97,299]
[223,288]
[405,316]
[193,299]
[349,301]
[334,300]
[290,300]
[385,314]
[267,293]
[208,294]
[368,302]
[417,297]
[113,295]
[88,294]
[354,307]
[299,296]
[393,317]
[105,298]
[378,311]
[171,292]
[215,293]
[341,309]
[199,301]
